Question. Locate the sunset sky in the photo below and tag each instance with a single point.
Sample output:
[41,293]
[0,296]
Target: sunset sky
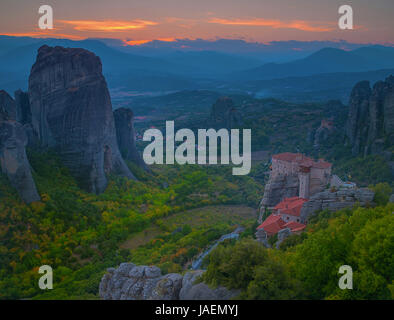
[137,22]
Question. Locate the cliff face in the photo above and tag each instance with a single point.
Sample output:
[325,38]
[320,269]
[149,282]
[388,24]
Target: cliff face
[125,135]
[14,162]
[370,124]
[71,111]
[278,188]
[23,111]
[7,106]
[334,201]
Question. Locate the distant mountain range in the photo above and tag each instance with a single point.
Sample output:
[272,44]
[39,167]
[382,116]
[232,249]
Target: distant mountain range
[232,66]
[327,60]
[320,87]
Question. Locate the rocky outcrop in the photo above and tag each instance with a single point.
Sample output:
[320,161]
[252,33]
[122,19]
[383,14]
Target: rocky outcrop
[131,282]
[279,187]
[224,114]
[23,111]
[194,290]
[71,111]
[370,123]
[23,116]
[282,235]
[325,130]
[336,200]
[262,237]
[126,136]
[7,106]
[14,162]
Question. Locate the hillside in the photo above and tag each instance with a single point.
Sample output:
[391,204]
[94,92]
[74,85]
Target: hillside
[81,234]
[327,60]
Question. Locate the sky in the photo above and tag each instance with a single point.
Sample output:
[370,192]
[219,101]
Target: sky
[137,22]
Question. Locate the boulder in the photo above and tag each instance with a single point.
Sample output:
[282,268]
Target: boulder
[131,282]
[71,111]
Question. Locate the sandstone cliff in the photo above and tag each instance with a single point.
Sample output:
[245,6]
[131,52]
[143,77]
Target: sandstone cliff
[334,201]
[279,187]
[14,162]
[131,282]
[7,106]
[370,124]
[126,136]
[71,111]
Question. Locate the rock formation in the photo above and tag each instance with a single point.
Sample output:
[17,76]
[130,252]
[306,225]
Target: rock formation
[192,290]
[126,136]
[131,282]
[14,162]
[322,133]
[71,111]
[282,235]
[224,114]
[262,237]
[279,187]
[23,116]
[370,124]
[23,111]
[334,201]
[7,106]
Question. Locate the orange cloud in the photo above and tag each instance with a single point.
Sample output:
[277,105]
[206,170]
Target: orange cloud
[108,25]
[276,24]
[43,34]
[139,42]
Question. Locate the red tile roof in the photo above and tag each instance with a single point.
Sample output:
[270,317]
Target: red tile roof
[295,226]
[273,224]
[302,160]
[291,206]
[287,156]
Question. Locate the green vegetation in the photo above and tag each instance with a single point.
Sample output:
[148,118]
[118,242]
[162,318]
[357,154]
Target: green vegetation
[307,265]
[81,234]
[364,171]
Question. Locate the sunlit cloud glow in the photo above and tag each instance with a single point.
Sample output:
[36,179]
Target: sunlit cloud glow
[277,24]
[43,34]
[108,25]
[139,42]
